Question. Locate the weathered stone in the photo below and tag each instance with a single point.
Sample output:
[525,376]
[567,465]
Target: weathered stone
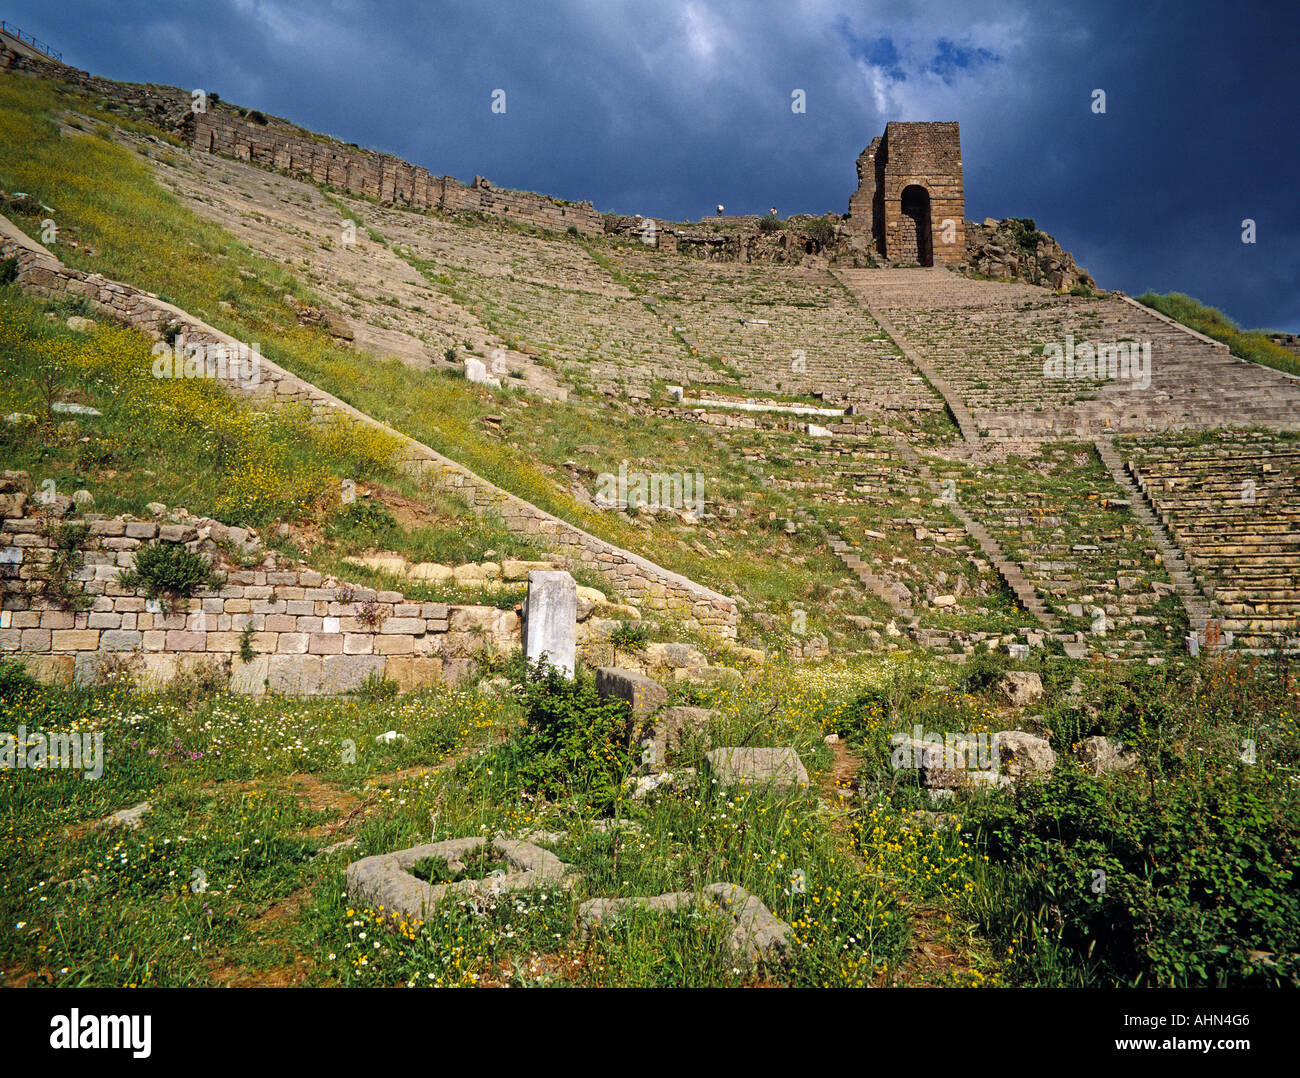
[250,678]
[642,694]
[384,882]
[669,726]
[476,372]
[411,672]
[779,770]
[550,618]
[1101,755]
[1023,755]
[294,675]
[131,817]
[1021,687]
[674,656]
[347,673]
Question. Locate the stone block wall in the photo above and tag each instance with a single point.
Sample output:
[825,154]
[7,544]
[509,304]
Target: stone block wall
[379,176]
[165,104]
[310,635]
[649,586]
[326,161]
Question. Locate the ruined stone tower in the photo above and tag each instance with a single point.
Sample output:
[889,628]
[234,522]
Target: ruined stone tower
[910,205]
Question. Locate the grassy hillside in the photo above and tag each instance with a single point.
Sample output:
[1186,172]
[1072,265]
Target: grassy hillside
[102,194]
[1252,344]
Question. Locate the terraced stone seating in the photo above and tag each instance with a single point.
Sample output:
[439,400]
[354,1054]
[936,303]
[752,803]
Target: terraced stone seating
[1059,515]
[493,251]
[784,330]
[612,342]
[986,340]
[878,506]
[1233,505]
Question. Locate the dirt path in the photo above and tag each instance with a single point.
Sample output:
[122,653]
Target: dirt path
[935,954]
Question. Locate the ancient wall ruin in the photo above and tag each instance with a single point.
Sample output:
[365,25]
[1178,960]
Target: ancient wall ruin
[223,129]
[165,105]
[271,628]
[379,176]
[910,205]
[650,586]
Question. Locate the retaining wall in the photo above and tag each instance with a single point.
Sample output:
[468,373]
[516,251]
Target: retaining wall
[647,585]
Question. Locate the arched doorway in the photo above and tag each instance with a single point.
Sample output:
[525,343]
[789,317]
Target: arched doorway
[914,242]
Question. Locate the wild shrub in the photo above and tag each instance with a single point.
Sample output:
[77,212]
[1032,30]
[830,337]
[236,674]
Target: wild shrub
[981,670]
[168,573]
[58,580]
[820,231]
[1177,872]
[575,743]
[366,522]
[1171,890]
[14,678]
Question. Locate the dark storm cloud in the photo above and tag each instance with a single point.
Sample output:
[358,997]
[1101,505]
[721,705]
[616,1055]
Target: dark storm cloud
[670,107]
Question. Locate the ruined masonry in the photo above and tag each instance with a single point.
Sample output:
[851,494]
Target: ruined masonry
[910,206]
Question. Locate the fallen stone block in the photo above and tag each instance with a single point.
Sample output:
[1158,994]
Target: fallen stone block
[131,817]
[778,770]
[670,726]
[758,935]
[385,882]
[641,786]
[1023,755]
[1021,687]
[643,695]
[1100,755]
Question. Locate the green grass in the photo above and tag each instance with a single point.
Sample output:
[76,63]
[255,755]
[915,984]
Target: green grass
[226,878]
[1252,344]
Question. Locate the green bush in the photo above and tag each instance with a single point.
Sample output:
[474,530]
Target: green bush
[8,270]
[575,741]
[981,670]
[168,572]
[820,231]
[1026,234]
[630,635]
[365,521]
[769,223]
[1195,879]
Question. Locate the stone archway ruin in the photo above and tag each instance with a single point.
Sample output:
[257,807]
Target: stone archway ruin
[910,205]
[914,235]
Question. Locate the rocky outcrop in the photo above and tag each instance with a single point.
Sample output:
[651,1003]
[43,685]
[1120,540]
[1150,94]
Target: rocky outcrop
[1014,250]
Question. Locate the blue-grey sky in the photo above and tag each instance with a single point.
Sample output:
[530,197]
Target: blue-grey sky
[667,107]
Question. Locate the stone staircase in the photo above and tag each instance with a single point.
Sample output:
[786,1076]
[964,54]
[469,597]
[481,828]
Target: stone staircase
[983,344]
[960,413]
[877,587]
[1195,602]
[1008,570]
